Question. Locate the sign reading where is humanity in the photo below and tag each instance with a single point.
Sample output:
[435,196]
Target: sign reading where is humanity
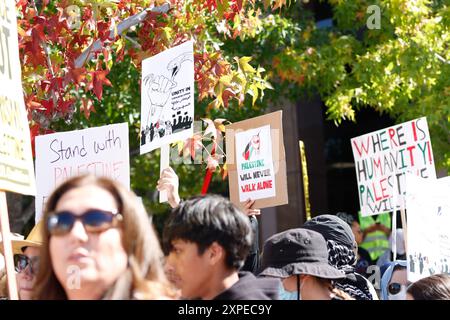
[256,161]
[167,97]
[428,236]
[16,162]
[102,151]
[383,157]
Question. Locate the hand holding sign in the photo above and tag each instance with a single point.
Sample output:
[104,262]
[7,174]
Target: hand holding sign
[170,183]
[248,208]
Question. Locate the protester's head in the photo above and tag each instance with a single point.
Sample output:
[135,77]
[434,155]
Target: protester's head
[98,242]
[26,260]
[342,253]
[435,287]
[205,237]
[394,281]
[300,258]
[354,225]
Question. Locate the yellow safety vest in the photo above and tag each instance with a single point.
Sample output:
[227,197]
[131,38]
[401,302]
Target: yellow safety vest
[376,243]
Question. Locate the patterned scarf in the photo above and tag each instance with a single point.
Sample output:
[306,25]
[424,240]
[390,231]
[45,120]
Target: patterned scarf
[344,259]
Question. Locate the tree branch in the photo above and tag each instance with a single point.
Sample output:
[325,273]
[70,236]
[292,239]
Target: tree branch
[88,53]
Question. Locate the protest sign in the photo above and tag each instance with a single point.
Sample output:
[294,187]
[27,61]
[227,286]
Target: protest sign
[167,97]
[383,157]
[428,216]
[16,162]
[256,161]
[102,151]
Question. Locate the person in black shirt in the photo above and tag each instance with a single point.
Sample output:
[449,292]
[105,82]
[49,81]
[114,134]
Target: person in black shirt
[206,240]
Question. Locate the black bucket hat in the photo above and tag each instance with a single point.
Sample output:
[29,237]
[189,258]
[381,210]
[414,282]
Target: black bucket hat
[297,251]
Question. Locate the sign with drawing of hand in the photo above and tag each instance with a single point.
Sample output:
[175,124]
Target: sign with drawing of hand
[167,97]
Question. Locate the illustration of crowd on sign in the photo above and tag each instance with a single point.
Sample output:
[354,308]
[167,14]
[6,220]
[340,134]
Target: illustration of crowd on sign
[101,244]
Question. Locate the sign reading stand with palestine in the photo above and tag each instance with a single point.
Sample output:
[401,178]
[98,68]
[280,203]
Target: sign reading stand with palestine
[256,161]
[383,157]
[101,151]
[16,162]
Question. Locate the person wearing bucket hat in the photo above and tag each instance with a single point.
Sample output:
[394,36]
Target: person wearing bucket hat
[300,258]
[26,260]
[342,254]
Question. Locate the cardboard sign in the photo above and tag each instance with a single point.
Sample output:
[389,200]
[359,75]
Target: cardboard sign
[383,157]
[16,162]
[102,151]
[428,215]
[256,161]
[167,97]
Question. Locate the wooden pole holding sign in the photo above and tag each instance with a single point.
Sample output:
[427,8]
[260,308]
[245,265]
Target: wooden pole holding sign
[164,163]
[7,248]
[403,217]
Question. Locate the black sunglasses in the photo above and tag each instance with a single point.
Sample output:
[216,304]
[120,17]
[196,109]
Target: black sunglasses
[21,262]
[93,220]
[394,288]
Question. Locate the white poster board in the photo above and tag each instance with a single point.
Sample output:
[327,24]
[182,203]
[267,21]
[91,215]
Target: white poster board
[428,215]
[102,151]
[167,97]
[16,161]
[383,157]
[256,177]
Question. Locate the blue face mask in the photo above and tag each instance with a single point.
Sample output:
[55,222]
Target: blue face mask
[287,295]
[283,294]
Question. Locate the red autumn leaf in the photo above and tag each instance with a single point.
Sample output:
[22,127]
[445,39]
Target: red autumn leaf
[31,103]
[98,80]
[48,106]
[64,105]
[87,106]
[103,30]
[226,95]
[76,74]
[36,130]
[192,145]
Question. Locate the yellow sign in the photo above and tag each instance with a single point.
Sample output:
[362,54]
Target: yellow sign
[16,162]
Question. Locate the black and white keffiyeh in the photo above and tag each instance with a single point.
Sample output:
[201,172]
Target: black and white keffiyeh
[344,259]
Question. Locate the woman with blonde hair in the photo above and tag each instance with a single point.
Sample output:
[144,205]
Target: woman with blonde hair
[99,244]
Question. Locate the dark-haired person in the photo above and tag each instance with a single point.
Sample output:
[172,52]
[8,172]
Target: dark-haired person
[99,244]
[169,182]
[207,239]
[435,287]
